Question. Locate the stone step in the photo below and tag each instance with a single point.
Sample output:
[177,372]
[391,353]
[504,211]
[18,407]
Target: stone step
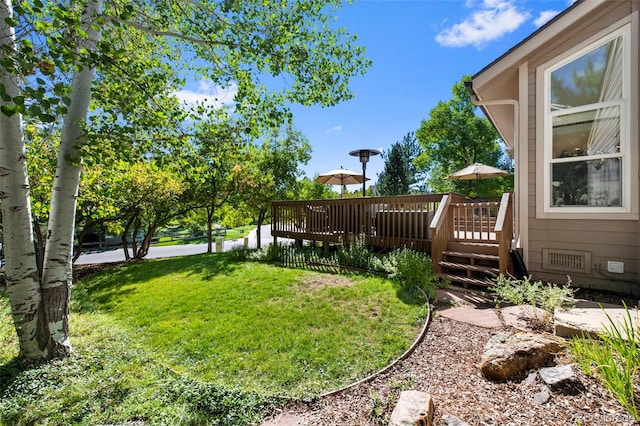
[465,280]
[489,270]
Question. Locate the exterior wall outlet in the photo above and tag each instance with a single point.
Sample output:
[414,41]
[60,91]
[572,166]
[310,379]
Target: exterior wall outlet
[615,267]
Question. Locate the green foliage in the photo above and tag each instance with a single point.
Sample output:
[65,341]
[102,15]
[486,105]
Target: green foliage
[531,295]
[410,269]
[113,379]
[399,173]
[271,173]
[8,343]
[310,189]
[614,359]
[356,253]
[272,253]
[455,137]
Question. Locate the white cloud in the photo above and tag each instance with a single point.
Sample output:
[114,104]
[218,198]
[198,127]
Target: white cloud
[334,129]
[545,16]
[209,94]
[492,20]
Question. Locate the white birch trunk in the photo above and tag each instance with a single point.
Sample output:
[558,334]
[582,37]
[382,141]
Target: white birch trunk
[57,268]
[21,273]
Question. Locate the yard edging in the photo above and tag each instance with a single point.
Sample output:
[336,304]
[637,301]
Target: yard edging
[402,357]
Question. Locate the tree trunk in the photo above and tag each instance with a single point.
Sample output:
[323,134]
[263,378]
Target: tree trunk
[39,243]
[78,249]
[21,270]
[57,276]
[134,237]
[123,236]
[210,211]
[261,217]
[146,242]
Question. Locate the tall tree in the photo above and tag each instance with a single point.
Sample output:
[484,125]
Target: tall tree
[399,173]
[455,137]
[310,189]
[49,55]
[213,180]
[272,173]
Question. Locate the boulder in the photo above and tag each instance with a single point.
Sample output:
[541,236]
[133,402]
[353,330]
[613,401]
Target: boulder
[413,408]
[561,379]
[508,355]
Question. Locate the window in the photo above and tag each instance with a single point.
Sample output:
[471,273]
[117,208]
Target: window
[586,133]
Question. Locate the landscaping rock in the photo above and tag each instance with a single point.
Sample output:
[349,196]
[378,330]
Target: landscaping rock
[561,379]
[507,355]
[413,408]
[542,397]
[450,420]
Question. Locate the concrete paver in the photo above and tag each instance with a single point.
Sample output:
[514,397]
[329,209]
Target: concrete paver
[481,317]
[592,318]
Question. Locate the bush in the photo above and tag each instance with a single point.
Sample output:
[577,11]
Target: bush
[239,253]
[535,294]
[356,254]
[409,268]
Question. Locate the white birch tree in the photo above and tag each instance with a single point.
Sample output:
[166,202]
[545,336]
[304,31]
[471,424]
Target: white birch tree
[239,43]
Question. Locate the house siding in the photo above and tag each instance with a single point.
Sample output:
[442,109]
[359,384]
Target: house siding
[603,240]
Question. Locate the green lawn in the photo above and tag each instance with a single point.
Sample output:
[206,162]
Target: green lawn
[153,339]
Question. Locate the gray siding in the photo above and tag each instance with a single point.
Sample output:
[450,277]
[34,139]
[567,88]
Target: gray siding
[604,240]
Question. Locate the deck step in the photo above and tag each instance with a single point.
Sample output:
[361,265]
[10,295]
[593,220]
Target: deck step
[475,268]
[465,280]
[491,257]
[466,247]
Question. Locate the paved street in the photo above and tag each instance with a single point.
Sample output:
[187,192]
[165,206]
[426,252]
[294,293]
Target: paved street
[117,255]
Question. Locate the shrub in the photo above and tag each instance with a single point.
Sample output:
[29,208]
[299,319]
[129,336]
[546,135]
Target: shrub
[614,360]
[239,253]
[356,254]
[409,268]
[534,295]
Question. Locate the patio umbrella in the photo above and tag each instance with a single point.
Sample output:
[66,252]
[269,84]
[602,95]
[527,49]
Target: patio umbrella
[476,172]
[341,177]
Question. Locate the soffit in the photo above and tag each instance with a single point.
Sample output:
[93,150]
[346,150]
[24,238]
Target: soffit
[499,79]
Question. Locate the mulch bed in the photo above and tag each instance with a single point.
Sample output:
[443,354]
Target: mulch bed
[445,365]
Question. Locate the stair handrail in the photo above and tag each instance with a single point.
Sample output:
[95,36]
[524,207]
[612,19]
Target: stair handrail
[504,230]
[441,228]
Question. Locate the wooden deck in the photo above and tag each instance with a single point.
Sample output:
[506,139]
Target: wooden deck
[431,223]
[384,222]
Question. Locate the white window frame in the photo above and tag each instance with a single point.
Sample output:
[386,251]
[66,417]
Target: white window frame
[628,131]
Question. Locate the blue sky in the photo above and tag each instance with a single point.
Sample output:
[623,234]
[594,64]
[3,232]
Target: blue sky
[419,49]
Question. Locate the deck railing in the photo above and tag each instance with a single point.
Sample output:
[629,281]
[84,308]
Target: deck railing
[504,230]
[398,221]
[458,220]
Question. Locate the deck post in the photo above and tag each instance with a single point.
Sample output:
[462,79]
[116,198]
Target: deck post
[504,230]
[440,227]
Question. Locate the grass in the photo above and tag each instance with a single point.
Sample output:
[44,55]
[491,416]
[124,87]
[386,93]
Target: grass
[176,341]
[614,359]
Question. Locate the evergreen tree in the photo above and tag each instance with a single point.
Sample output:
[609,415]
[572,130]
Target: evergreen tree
[400,173]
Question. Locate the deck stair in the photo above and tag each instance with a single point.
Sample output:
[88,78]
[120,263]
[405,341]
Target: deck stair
[470,263]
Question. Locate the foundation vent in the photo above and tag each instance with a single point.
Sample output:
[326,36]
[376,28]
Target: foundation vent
[566,260]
